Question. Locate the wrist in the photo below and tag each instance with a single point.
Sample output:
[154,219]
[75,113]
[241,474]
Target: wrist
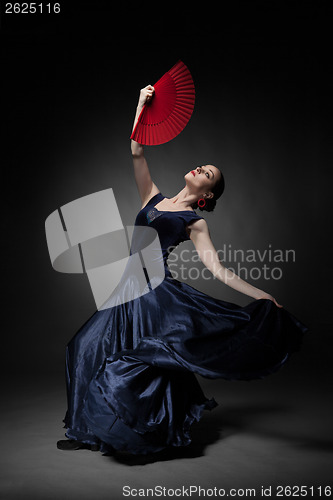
[258,294]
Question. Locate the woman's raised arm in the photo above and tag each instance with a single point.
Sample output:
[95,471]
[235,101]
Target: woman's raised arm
[147,188]
[208,255]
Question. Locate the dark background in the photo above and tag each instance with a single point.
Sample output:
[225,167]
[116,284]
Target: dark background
[262,114]
[70,84]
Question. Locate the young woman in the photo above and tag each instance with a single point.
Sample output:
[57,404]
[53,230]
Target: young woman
[131,368]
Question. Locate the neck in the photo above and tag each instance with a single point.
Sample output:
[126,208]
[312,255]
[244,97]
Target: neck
[184,198]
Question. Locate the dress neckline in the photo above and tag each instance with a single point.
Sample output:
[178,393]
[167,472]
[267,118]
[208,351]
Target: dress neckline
[172,211]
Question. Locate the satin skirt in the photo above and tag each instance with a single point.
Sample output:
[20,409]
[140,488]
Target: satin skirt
[130,370]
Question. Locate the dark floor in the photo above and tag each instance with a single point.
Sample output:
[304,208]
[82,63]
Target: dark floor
[276,431]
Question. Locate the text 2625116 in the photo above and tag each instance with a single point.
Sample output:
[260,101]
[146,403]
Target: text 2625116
[32,8]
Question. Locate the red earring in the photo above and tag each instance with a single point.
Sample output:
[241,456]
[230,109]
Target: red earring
[201,202]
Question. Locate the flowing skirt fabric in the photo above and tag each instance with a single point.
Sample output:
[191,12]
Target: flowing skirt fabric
[131,368]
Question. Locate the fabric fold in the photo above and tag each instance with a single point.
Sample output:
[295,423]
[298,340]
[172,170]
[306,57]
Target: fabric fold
[131,369]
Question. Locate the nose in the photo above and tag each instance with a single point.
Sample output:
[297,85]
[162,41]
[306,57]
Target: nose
[198,169]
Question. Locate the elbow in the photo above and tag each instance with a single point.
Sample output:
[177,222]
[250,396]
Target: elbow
[136,149]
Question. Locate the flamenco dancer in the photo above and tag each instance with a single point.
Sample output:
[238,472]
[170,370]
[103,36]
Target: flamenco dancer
[131,368]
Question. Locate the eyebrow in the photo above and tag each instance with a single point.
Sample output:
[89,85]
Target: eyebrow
[210,171]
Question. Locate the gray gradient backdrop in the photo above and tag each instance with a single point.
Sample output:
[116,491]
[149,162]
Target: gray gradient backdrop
[262,114]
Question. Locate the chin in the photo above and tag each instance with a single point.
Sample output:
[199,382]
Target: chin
[189,179]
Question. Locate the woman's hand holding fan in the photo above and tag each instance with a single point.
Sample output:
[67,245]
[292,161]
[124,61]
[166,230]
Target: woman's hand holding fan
[166,107]
[146,95]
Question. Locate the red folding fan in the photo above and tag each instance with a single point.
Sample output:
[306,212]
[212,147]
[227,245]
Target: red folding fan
[168,112]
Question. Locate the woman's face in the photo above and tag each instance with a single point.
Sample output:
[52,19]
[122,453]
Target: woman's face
[202,179]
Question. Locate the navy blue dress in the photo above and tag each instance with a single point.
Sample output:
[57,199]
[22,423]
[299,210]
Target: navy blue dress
[130,369]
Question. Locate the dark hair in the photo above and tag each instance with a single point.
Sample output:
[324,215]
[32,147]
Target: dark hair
[217,192]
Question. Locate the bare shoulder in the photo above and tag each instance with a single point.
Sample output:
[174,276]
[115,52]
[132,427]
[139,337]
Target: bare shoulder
[197,227]
[154,191]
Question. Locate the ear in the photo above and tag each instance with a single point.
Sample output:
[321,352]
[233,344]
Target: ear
[209,195]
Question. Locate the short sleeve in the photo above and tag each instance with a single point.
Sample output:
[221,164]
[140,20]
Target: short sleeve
[188,219]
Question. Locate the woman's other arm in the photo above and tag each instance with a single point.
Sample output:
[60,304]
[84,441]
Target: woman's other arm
[201,239]
[146,187]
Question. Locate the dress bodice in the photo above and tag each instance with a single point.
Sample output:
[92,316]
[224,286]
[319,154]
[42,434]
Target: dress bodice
[170,225]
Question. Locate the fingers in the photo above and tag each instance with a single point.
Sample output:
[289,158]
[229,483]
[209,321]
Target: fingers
[149,92]
[278,305]
[148,89]
[270,297]
[146,94]
[266,296]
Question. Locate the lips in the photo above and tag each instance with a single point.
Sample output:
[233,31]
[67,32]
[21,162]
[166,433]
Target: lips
[192,172]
